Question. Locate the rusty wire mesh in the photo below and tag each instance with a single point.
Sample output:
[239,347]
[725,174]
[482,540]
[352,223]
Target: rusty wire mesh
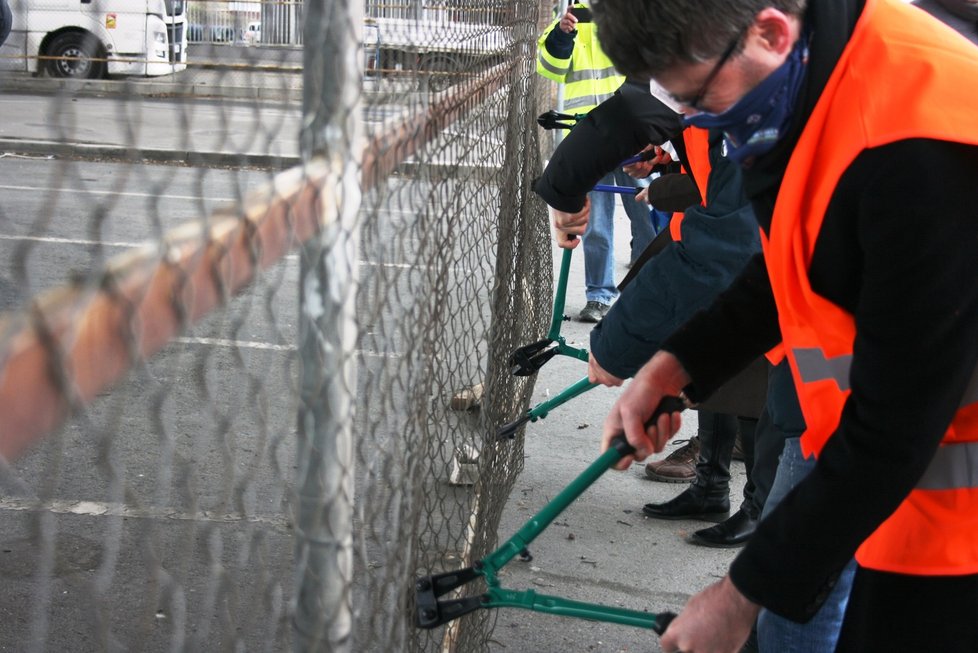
[158,236]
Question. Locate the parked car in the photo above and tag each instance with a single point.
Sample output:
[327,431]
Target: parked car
[252,35]
[197,33]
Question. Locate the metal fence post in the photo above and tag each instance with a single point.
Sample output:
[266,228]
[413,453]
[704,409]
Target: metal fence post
[332,130]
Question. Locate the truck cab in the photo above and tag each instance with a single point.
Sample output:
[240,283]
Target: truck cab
[94,38]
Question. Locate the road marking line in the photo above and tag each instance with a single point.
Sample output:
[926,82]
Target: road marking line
[102,509]
[71,241]
[251,344]
[236,344]
[115,193]
[54,240]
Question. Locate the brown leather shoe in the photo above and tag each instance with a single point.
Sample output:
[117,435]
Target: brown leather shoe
[677,467]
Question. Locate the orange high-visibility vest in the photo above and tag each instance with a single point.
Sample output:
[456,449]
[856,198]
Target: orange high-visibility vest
[894,81]
[697,143]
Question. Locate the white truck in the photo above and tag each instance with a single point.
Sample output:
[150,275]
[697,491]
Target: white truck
[94,38]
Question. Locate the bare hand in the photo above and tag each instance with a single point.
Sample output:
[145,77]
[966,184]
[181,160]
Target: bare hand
[568,226]
[597,374]
[717,620]
[643,169]
[568,22]
[662,375]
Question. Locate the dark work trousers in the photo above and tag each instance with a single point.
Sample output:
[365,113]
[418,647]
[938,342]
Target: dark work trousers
[717,433]
[781,419]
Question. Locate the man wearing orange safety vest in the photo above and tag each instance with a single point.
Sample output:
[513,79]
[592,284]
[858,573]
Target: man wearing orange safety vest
[855,122]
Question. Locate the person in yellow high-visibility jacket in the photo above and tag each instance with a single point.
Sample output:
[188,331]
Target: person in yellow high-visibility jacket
[568,53]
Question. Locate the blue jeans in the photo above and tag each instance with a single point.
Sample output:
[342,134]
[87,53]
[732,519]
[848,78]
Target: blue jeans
[779,635]
[599,239]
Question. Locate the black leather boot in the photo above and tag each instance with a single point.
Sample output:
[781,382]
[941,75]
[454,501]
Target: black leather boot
[692,503]
[708,498]
[731,533]
[717,434]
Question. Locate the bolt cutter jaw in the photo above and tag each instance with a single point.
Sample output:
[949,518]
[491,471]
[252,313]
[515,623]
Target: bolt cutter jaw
[508,431]
[528,359]
[432,612]
[552,120]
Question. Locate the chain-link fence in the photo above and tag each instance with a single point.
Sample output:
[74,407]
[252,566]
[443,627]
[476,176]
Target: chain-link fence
[254,349]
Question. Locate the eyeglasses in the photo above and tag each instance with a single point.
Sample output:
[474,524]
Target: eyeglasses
[695,103]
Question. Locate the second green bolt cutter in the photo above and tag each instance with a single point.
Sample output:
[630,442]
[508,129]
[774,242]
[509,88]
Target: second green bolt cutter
[528,359]
[433,611]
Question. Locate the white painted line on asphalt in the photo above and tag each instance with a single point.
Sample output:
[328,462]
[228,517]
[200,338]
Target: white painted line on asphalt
[70,241]
[108,243]
[236,344]
[103,509]
[114,193]
[250,344]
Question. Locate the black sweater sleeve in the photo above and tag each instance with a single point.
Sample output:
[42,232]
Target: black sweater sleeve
[898,249]
[616,129]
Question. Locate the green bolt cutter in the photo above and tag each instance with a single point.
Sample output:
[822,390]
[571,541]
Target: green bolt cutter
[528,359]
[433,611]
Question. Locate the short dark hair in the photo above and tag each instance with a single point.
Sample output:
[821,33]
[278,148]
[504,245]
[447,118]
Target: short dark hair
[645,37]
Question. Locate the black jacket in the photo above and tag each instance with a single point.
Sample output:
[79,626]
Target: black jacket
[613,131]
[898,249]
[717,241]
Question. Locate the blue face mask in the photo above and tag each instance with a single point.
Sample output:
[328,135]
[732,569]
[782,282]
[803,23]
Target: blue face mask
[754,125]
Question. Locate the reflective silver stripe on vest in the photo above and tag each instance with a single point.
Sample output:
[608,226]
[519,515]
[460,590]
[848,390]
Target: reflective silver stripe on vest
[595,74]
[954,467]
[813,366]
[551,68]
[587,101]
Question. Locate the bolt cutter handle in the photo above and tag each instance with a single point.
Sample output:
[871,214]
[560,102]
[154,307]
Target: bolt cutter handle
[623,190]
[648,155]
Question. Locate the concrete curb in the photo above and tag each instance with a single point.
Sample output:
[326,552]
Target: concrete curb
[150,88]
[153,155]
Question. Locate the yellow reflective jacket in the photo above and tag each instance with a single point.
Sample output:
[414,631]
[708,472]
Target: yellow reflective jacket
[588,76]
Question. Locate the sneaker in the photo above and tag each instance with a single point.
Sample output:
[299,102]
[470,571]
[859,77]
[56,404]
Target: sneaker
[677,467]
[593,312]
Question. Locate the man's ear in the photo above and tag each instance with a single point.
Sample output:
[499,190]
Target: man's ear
[775,31]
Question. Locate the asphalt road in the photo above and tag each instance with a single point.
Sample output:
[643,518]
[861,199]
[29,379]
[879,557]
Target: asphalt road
[169,499]
[163,564]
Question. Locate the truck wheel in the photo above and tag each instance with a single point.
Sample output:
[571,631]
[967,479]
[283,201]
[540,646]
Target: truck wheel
[81,52]
[436,72]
